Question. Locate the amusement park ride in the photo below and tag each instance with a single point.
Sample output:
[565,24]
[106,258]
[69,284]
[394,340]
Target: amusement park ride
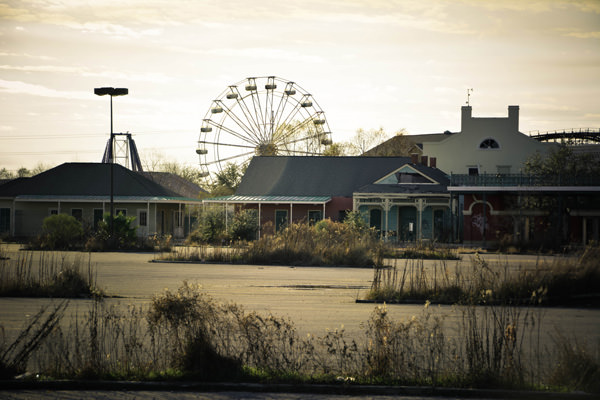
[266,116]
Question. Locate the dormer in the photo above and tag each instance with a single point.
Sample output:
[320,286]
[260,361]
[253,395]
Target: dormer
[406,174]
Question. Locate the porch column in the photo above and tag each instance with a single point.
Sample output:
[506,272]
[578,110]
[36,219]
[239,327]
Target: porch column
[484,197]
[386,209]
[180,220]
[147,218]
[14,216]
[155,212]
[291,215]
[420,207]
[323,210]
[259,225]
[189,220]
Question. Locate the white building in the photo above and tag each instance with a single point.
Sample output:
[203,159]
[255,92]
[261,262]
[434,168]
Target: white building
[484,145]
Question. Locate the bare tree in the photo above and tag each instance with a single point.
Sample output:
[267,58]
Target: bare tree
[377,143]
[398,145]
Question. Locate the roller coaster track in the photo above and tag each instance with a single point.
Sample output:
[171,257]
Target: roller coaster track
[576,136]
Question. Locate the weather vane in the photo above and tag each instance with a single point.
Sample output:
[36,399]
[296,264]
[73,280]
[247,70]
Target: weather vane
[469,91]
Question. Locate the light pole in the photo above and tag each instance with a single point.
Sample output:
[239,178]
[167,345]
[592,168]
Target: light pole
[111,92]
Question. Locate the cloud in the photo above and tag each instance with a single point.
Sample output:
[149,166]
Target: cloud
[583,35]
[26,55]
[18,87]
[85,72]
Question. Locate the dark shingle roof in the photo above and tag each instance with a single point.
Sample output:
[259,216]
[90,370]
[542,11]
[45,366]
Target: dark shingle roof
[85,179]
[175,183]
[437,175]
[314,176]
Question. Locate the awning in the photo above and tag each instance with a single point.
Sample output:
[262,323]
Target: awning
[258,199]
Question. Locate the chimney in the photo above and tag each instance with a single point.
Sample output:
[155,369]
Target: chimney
[432,162]
[465,117]
[424,160]
[513,117]
[414,158]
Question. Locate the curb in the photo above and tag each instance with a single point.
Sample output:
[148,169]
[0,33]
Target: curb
[342,389]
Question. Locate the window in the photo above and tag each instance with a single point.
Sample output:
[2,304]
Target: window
[411,177]
[142,218]
[53,211]
[77,213]
[314,216]
[473,171]
[121,211]
[98,216]
[281,219]
[489,144]
[4,219]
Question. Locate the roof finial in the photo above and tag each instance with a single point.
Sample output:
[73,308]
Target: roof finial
[469,91]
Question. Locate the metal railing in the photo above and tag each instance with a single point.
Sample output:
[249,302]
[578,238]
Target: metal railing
[523,180]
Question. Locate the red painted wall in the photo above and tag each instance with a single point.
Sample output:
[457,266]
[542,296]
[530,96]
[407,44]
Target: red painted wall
[300,211]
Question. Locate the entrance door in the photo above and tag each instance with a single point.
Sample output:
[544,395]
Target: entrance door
[281,219]
[407,223]
[438,224]
[4,220]
[375,218]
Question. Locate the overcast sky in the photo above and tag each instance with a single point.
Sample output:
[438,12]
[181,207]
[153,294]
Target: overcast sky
[368,64]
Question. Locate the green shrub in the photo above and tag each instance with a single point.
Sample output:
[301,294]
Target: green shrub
[244,225]
[325,243]
[124,235]
[356,221]
[211,227]
[60,232]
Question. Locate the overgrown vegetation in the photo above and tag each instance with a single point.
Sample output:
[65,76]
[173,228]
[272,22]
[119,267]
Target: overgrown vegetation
[121,235]
[324,243]
[566,281]
[60,232]
[424,251]
[350,243]
[64,232]
[188,335]
[15,353]
[47,274]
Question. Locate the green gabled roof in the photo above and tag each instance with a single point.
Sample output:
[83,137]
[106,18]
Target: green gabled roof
[269,199]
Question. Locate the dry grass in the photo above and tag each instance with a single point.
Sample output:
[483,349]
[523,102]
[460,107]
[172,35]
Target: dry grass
[186,334]
[48,274]
[326,243]
[564,281]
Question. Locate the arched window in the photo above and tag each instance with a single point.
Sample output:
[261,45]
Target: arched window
[489,144]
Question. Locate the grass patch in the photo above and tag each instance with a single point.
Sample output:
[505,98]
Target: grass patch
[424,251]
[48,274]
[566,281]
[325,243]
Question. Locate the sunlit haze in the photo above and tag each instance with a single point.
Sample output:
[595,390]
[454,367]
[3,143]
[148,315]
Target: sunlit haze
[368,64]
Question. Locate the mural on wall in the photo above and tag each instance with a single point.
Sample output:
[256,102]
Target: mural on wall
[480,223]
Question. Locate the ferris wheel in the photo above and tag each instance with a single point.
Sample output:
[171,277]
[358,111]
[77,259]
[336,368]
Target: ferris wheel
[264,116]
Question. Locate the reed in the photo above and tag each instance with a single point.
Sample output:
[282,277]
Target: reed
[564,281]
[48,274]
